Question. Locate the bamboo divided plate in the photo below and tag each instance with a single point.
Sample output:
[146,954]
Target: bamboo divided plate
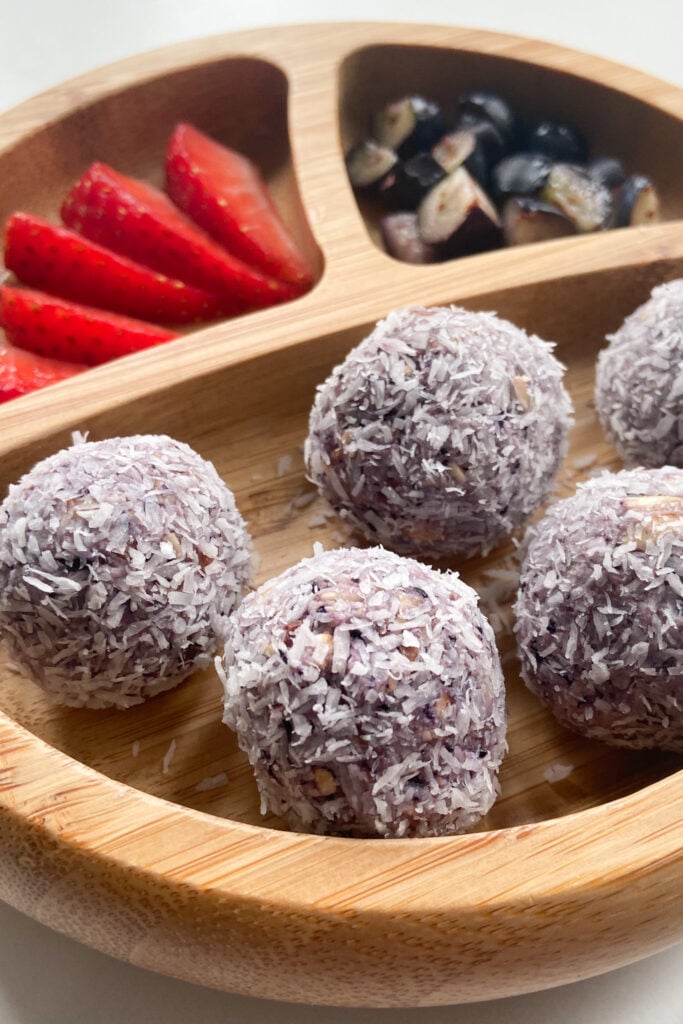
[138,832]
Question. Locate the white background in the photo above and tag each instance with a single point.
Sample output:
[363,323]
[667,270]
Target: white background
[47,979]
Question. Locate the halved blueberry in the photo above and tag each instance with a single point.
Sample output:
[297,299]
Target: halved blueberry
[463,148]
[491,107]
[492,142]
[522,174]
[587,204]
[637,203]
[401,237]
[409,125]
[368,163]
[607,171]
[458,216]
[527,220]
[409,182]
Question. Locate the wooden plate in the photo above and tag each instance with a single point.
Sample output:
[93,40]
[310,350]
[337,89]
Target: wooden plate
[139,832]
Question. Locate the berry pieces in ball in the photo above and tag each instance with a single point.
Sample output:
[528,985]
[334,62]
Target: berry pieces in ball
[120,561]
[600,609]
[440,433]
[367,691]
[639,382]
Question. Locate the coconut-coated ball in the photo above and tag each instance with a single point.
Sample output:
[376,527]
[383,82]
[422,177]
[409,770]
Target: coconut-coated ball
[441,432]
[600,609]
[639,382]
[367,691]
[120,561]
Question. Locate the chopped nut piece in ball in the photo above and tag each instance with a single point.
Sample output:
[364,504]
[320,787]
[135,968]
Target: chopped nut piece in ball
[639,382]
[367,691]
[119,563]
[441,432]
[600,613]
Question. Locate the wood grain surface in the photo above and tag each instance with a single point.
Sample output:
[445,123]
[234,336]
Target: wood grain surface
[139,832]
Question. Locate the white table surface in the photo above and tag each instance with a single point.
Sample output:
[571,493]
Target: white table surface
[48,979]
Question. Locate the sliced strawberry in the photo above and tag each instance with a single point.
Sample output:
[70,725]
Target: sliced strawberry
[63,263]
[138,221]
[223,192]
[63,330]
[22,372]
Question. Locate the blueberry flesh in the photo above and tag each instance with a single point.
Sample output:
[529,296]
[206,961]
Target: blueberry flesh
[454,148]
[587,204]
[488,106]
[409,125]
[490,146]
[558,140]
[607,171]
[638,203]
[458,217]
[401,237]
[407,184]
[368,163]
[522,174]
[464,148]
[527,220]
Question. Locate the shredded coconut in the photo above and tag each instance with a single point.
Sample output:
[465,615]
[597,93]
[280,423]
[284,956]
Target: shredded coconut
[497,594]
[303,499]
[366,690]
[316,521]
[639,382]
[599,620]
[284,465]
[211,782]
[557,772]
[120,561]
[168,757]
[420,438]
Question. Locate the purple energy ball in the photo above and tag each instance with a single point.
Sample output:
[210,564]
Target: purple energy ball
[119,563]
[600,609]
[367,691]
[639,382]
[441,432]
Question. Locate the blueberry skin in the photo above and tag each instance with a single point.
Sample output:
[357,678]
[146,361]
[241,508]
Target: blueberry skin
[491,107]
[429,127]
[558,140]
[407,184]
[492,144]
[607,171]
[522,174]
[637,202]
